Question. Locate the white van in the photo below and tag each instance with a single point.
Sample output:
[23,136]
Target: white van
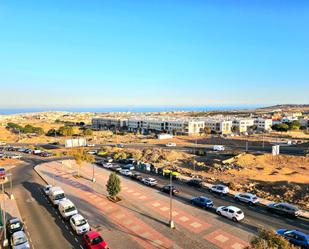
[218,148]
[56,194]
[67,209]
[170,144]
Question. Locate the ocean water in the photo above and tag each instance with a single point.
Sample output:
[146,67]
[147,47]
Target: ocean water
[7,111]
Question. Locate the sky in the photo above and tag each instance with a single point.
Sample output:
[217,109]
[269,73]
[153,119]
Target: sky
[101,53]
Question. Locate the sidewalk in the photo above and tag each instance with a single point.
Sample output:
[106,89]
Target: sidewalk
[143,213]
[10,209]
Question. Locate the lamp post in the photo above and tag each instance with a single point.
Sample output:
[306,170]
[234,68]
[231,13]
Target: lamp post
[171,222]
[3,211]
[93,177]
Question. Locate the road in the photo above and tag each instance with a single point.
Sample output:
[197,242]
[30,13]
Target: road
[256,216]
[42,221]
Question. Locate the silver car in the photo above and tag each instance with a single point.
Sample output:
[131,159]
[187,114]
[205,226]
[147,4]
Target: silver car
[247,198]
[19,240]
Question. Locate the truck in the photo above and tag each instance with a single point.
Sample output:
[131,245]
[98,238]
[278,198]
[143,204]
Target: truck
[218,148]
[56,194]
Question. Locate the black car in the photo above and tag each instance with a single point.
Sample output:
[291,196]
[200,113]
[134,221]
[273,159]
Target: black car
[136,176]
[283,209]
[167,189]
[202,201]
[14,225]
[195,182]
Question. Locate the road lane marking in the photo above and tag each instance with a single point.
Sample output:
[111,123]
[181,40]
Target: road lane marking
[75,239]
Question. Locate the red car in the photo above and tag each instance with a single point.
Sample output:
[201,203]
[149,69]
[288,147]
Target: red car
[93,240]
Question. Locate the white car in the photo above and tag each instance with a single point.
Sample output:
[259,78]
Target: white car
[219,189]
[107,165]
[231,212]
[46,188]
[125,172]
[79,224]
[247,198]
[170,144]
[90,145]
[149,181]
[19,240]
[218,148]
[92,152]
[67,209]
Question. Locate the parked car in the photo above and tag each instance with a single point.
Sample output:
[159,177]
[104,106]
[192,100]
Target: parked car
[107,165]
[79,224]
[129,167]
[67,209]
[150,181]
[15,156]
[283,208]
[231,212]
[170,144]
[219,189]
[116,168]
[137,176]
[120,145]
[167,189]
[125,172]
[247,198]
[218,148]
[56,194]
[2,173]
[195,182]
[90,145]
[295,237]
[19,240]
[14,225]
[46,188]
[93,240]
[92,152]
[202,201]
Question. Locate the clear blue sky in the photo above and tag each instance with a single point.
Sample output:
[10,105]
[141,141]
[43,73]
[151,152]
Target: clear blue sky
[63,53]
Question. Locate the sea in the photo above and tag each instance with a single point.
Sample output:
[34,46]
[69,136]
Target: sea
[8,111]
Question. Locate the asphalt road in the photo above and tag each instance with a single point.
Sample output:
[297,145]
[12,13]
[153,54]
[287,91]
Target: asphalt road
[255,216]
[46,228]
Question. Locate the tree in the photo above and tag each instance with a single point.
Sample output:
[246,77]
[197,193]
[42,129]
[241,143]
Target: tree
[294,125]
[88,132]
[207,130]
[65,131]
[113,185]
[80,156]
[52,132]
[269,240]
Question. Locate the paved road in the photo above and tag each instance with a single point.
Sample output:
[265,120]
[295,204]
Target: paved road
[256,216]
[45,227]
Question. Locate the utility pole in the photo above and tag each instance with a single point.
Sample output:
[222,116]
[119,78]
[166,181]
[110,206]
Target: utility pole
[93,178]
[3,211]
[171,223]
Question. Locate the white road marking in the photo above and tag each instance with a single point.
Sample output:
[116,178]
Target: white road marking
[76,240]
[66,227]
[71,233]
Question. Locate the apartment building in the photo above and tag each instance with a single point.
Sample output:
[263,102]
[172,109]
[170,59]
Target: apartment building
[109,122]
[172,125]
[263,123]
[219,126]
[242,125]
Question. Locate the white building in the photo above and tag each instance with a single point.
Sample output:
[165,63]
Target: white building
[243,124]
[219,126]
[109,122]
[263,123]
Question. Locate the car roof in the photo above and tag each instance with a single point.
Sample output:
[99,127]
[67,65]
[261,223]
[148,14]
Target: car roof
[301,233]
[18,234]
[151,179]
[248,194]
[66,202]
[77,217]
[14,220]
[234,208]
[287,205]
[220,185]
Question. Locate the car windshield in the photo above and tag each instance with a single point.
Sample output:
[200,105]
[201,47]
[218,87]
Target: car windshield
[80,222]
[20,240]
[96,240]
[239,212]
[59,196]
[69,209]
[14,226]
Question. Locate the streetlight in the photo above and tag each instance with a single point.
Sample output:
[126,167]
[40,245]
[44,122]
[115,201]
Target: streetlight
[3,212]
[171,222]
[93,177]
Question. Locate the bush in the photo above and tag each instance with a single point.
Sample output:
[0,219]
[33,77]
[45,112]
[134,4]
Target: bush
[88,132]
[113,185]
[269,240]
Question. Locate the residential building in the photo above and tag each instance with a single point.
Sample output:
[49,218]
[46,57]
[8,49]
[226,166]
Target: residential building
[219,126]
[263,123]
[242,125]
[109,122]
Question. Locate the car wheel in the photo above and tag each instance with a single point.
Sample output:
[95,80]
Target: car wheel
[210,190]
[234,219]
[237,199]
[218,212]
[250,203]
